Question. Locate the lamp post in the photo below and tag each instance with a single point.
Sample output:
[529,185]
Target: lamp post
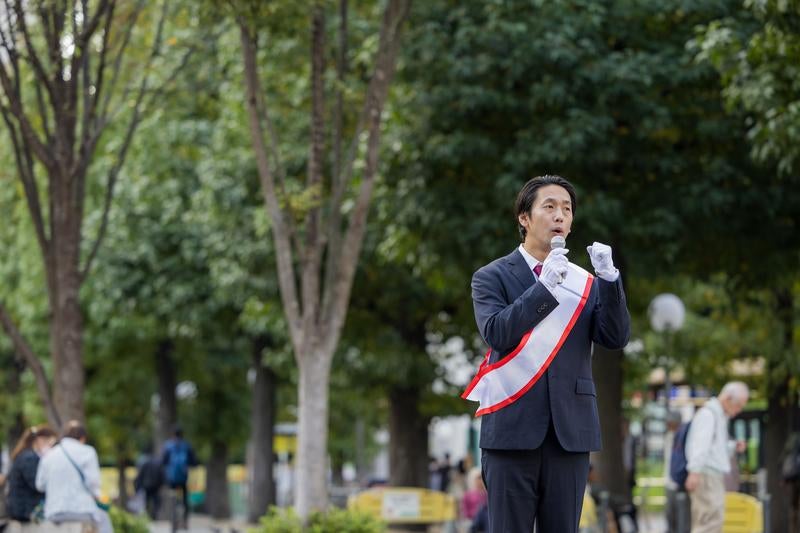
[667,314]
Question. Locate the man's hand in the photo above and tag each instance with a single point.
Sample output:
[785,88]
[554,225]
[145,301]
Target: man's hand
[603,264]
[692,481]
[554,268]
[741,446]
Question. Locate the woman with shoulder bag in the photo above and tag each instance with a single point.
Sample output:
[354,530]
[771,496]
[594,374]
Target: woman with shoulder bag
[23,496]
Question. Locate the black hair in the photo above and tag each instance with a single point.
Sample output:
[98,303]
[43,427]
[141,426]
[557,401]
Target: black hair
[527,195]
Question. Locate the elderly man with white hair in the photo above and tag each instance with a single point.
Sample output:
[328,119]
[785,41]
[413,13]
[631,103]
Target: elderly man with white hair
[708,452]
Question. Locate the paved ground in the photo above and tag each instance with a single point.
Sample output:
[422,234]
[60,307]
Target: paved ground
[203,524]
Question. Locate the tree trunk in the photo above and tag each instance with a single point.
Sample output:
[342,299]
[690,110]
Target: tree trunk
[607,371]
[337,467]
[122,481]
[312,435]
[361,460]
[217,495]
[13,387]
[167,401]
[776,434]
[66,327]
[779,423]
[408,443]
[261,487]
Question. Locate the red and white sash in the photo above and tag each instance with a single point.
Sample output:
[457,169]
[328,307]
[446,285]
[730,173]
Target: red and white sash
[502,383]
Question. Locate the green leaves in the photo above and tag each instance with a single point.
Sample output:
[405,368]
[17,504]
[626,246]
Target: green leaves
[757,56]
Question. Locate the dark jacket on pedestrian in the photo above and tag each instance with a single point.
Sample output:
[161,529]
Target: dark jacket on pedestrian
[150,476]
[22,493]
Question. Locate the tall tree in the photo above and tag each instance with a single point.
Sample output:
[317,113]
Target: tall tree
[756,55]
[318,234]
[65,75]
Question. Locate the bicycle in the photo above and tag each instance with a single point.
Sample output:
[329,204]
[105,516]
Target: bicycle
[179,513]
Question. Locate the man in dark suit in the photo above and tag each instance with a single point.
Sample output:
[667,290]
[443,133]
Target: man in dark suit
[539,314]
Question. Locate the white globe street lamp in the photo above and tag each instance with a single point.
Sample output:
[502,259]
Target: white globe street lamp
[667,314]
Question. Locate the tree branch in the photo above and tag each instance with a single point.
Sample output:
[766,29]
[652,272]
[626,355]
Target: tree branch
[38,68]
[334,230]
[23,348]
[16,109]
[312,251]
[283,247]
[28,178]
[91,24]
[338,294]
[134,122]
[116,69]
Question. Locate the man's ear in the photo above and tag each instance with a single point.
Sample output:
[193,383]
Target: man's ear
[522,219]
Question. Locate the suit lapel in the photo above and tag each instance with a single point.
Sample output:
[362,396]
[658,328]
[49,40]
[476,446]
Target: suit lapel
[517,265]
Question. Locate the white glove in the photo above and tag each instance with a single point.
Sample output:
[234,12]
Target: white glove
[554,268]
[602,262]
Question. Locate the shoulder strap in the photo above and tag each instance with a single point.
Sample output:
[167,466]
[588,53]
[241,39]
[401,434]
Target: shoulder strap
[80,472]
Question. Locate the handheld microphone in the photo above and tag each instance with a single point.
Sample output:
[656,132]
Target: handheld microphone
[558,242]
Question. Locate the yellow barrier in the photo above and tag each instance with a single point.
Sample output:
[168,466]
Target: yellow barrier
[109,479]
[588,514]
[405,505]
[743,514]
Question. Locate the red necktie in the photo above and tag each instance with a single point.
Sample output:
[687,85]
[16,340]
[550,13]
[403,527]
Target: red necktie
[538,270]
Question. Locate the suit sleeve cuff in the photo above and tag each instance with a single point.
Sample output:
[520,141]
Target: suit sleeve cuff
[608,275]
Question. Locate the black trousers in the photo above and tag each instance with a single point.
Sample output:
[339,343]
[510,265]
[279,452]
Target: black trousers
[544,486]
[184,497]
[152,502]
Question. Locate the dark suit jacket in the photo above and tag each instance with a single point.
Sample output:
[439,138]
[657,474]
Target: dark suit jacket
[508,303]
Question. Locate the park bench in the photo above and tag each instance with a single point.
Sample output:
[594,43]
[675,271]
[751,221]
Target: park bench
[405,505]
[743,514]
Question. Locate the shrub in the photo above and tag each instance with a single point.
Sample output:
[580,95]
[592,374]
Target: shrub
[124,522]
[343,521]
[334,521]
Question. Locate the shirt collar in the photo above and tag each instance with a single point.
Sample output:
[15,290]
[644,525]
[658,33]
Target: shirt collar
[716,407]
[532,261]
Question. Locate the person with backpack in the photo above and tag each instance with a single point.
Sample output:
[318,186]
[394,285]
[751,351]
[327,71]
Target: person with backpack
[177,458]
[708,450]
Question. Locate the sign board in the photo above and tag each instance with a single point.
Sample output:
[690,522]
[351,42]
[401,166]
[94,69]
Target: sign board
[400,505]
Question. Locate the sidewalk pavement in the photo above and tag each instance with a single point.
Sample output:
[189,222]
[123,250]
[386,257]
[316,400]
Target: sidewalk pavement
[198,523]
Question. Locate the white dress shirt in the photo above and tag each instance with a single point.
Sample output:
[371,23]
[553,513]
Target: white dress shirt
[532,261]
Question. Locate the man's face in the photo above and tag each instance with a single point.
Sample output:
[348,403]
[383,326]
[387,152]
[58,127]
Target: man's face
[732,406]
[551,215]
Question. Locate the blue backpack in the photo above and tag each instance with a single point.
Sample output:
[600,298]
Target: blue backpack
[678,462]
[177,469]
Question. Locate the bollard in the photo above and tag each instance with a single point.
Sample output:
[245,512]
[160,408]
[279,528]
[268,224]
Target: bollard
[682,504]
[765,506]
[603,518]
